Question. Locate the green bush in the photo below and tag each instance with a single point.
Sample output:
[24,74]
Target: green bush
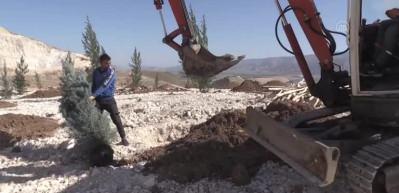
[19,81]
[6,83]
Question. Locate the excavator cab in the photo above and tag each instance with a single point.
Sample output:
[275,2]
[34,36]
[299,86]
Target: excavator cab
[379,48]
[196,59]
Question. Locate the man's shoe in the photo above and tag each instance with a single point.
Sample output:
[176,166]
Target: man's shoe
[124,142]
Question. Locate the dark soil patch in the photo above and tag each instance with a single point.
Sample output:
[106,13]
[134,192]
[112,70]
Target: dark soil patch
[6,140]
[249,86]
[4,104]
[218,148]
[44,94]
[15,127]
[101,155]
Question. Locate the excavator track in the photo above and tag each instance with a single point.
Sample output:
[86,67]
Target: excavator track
[367,165]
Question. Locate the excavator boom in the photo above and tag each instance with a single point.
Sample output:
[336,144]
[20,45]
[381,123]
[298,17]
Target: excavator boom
[331,86]
[312,25]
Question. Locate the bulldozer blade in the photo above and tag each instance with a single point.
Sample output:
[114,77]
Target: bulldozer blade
[311,158]
[202,63]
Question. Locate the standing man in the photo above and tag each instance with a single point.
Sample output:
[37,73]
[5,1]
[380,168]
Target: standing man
[103,90]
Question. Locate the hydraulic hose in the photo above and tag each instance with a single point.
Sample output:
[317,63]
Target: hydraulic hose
[287,9]
[327,34]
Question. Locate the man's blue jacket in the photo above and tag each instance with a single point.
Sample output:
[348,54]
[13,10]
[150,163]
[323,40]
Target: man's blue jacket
[104,83]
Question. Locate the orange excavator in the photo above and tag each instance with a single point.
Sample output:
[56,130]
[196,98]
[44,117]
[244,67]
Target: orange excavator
[358,130]
[196,60]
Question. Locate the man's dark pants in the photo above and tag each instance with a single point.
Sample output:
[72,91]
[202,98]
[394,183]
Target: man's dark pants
[111,107]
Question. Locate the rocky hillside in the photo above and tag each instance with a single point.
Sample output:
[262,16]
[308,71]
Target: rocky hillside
[39,56]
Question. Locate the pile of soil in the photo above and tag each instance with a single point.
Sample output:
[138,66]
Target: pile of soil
[170,88]
[141,89]
[5,104]
[131,90]
[283,110]
[218,148]
[249,86]
[228,82]
[276,83]
[44,94]
[15,127]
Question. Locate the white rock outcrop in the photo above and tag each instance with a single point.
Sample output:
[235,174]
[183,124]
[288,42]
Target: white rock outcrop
[38,55]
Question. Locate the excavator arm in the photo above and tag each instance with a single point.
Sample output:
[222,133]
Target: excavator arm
[332,86]
[196,59]
[184,28]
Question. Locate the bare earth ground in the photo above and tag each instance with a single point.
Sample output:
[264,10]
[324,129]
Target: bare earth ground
[49,164]
[14,127]
[45,93]
[5,104]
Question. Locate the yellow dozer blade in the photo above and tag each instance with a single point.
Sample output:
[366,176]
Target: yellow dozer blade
[198,61]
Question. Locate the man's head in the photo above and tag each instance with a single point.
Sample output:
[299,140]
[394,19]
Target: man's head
[393,13]
[105,61]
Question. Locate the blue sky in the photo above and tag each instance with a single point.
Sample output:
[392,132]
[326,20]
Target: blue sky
[237,27]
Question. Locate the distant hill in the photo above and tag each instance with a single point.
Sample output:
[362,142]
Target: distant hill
[275,66]
[149,77]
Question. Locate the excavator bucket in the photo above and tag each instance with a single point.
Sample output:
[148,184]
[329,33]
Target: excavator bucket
[311,158]
[198,61]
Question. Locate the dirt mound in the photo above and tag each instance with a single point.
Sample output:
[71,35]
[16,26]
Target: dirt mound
[277,83]
[4,104]
[228,82]
[218,148]
[169,87]
[17,127]
[249,86]
[131,90]
[44,94]
[283,110]
[141,89]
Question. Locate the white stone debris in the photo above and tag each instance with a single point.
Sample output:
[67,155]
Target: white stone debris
[49,165]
